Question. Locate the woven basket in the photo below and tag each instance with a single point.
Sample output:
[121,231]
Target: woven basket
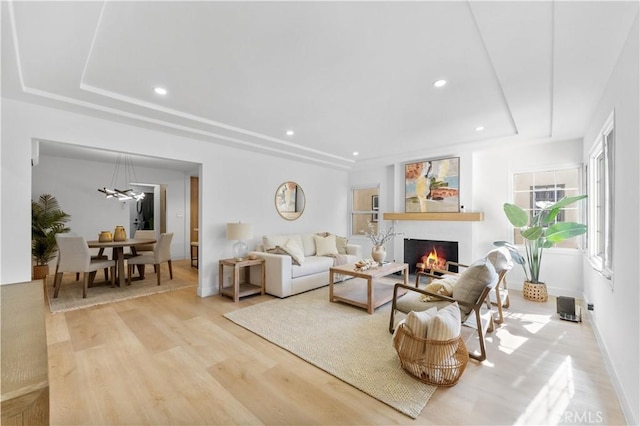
[40,272]
[536,292]
[435,362]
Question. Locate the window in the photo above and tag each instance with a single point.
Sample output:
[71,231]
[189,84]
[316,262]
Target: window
[364,210]
[533,191]
[600,219]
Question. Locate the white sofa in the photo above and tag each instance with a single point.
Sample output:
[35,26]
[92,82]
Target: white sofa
[283,277]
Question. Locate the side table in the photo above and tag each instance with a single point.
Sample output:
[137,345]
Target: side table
[244,288]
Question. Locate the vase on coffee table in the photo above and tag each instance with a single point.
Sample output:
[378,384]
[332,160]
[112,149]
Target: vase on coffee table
[378,253]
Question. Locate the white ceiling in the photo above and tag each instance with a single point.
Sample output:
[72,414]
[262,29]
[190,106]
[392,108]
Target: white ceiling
[345,76]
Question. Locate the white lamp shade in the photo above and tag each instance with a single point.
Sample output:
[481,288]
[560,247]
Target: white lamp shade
[239,231]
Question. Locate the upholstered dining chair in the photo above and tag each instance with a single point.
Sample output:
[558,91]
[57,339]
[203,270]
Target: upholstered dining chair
[145,234]
[74,256]
[161,253]
[471,290]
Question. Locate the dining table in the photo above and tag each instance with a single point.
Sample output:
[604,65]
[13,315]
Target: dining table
[118,252]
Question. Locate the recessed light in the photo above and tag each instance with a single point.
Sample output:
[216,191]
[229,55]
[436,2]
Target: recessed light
[439,83]
[479,128]
[355,153]
[160,90]
[290,133]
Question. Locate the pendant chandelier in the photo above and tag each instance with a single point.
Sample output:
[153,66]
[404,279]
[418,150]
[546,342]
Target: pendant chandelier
[123,174]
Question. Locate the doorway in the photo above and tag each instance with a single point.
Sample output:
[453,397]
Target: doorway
[150,212]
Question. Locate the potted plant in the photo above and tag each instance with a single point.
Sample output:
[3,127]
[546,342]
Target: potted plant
[47,220]
[539,232]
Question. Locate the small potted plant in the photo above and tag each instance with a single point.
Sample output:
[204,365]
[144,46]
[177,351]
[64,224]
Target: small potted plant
[539,232]
[47,220]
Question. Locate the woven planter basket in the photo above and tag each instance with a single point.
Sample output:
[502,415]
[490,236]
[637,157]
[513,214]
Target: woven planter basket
[40,272]
[435,362]
[536,292]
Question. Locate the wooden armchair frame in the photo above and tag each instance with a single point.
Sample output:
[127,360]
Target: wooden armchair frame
[475,307]
[502,298]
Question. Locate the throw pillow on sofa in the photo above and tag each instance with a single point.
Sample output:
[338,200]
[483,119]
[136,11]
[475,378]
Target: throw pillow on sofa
[325,246]
[293,249]
[341,242]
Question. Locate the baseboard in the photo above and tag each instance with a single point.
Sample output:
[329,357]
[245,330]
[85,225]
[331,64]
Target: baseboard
[620,393]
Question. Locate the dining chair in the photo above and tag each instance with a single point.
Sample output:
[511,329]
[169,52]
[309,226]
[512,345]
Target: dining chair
[144,234]
[161,253]
[74,256]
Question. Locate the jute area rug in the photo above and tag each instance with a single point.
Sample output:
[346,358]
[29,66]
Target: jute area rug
[342,340]
[70,295]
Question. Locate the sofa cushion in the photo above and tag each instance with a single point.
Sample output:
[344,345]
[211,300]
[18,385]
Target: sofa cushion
[312,265]
[308,244]
[325,245]
[291,248]
[473,281]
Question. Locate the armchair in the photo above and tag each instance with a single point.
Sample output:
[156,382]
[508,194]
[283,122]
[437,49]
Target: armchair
[471,291]
[501,260]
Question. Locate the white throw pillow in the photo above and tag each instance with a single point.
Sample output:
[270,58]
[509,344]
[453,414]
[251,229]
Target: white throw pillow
[325,245]
[473,281]
[445,325]
[341,244]
[271,241]
[418,323]
[293,249]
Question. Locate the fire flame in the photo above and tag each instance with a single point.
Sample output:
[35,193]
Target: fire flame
[433,261]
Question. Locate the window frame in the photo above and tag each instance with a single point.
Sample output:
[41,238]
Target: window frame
[373,212]
[580,241]
[601,190]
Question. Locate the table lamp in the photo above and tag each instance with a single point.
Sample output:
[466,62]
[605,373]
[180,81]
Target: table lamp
[240,232]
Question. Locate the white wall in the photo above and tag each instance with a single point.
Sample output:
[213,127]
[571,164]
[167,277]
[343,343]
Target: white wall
[75,185]
[485,185]
[493,171]
[235,184]
[615,317]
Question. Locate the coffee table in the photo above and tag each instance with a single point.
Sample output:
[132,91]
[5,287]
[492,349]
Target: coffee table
[375,294]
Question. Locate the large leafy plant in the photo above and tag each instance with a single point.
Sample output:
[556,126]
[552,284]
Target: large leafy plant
[539,232]
[47,220]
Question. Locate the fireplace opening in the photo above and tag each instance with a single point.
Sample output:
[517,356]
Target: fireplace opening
[429,254]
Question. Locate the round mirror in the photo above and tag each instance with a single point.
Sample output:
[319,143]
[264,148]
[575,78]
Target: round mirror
[290,200]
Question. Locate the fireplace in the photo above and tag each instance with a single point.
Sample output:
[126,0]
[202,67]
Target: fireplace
[430,254]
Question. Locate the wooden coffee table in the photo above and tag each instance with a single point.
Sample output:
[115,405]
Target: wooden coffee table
[375,294]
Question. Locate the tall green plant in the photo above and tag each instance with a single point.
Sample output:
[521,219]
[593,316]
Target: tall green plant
[47,220]
[540,234]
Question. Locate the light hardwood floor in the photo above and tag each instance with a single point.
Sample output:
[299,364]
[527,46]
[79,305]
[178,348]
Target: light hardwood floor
[172,359]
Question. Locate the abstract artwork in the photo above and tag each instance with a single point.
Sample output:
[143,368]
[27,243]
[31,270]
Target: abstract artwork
[432,186]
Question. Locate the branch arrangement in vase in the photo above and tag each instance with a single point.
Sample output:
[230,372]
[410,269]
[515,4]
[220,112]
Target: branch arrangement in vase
[382,236]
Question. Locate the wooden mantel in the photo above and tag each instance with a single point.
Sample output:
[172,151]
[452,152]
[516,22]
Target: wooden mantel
[446,216]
